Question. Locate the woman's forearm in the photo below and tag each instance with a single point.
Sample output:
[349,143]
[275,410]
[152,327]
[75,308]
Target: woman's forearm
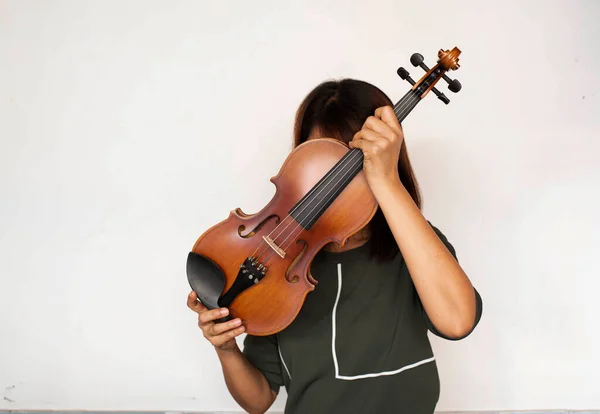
[445,290]
[247,385]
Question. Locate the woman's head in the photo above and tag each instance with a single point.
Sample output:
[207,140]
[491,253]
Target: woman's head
[338,109]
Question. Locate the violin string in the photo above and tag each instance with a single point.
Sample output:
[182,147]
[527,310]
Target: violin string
[353,161]
[412,100]
[404,105]
[329,195]
[350,161]
[323,183]
[334,171]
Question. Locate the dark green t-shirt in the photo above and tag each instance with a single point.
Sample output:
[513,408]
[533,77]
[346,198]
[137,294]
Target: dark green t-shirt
[358,345]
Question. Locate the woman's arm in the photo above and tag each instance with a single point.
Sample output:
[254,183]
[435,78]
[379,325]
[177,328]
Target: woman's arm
[443,287]
[247,385]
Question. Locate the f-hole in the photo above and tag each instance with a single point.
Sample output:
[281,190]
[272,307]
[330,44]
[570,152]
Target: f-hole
[295,278]
[253,232]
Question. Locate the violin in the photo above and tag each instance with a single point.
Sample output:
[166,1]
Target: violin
[258,265]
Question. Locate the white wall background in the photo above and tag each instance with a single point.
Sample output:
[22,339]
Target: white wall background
[129,127]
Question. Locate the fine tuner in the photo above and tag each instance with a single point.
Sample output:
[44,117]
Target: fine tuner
[417,60]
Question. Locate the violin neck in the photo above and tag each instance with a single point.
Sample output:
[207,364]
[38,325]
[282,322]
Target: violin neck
[308,210]
[405,105]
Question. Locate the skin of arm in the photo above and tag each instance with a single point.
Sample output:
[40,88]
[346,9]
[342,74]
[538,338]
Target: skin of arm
[246,384]
[445,290]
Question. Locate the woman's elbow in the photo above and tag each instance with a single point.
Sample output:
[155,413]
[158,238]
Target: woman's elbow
[461,330]
[465,322]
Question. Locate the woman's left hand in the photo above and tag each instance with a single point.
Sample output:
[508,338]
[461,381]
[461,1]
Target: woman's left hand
[380,140]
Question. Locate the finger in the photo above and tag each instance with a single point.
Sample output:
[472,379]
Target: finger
[194,304]
[220,328]
[387,115]
[221,339]
[368,148]
[205,326]
[376,124]
[373,142]
[361,143]
[211,315]
[391,133]
[369,135]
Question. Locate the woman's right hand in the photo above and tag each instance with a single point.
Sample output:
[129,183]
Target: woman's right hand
[221,335]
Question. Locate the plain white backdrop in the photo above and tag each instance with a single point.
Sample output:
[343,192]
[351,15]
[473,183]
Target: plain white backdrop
[129,127]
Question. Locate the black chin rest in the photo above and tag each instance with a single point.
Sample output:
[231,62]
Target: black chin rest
[206,279]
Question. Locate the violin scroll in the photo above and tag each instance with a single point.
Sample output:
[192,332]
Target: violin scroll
[447,60]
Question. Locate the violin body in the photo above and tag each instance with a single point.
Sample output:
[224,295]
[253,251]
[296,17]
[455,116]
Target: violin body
[258,265]
[267,303]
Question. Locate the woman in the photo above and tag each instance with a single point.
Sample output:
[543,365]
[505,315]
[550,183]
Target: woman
[359,343]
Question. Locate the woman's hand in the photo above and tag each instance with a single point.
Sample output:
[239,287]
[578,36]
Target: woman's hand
[380,139]
[220,335]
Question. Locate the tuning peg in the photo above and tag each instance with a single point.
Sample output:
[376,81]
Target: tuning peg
[453,84]
[441,96]
[417,59]
[403,73]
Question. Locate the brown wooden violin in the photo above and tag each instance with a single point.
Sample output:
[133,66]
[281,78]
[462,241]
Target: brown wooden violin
[258,265]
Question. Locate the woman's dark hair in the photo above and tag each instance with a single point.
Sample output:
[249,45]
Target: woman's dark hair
[338,109]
